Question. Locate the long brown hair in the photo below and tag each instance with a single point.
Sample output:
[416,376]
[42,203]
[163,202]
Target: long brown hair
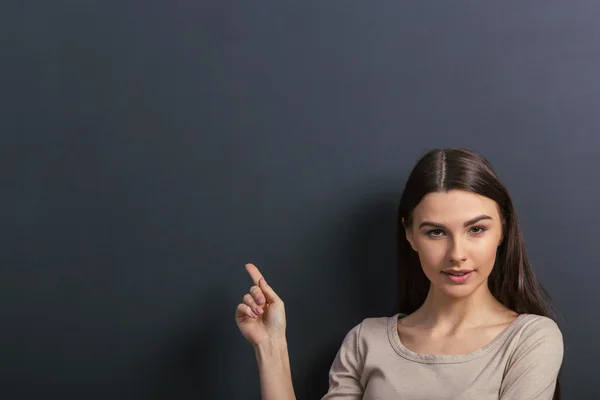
[512,280]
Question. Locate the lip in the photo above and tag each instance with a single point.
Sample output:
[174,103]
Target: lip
[458,279]
[457,270]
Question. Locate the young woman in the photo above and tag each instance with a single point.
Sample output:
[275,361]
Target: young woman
[474,324]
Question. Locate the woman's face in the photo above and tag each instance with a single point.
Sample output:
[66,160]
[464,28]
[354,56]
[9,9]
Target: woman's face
[456,230]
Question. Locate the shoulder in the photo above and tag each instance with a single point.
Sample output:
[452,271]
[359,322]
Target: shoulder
[375,328]
[538,336]
[370,329]
[368,335]
[538,327]
[369,326]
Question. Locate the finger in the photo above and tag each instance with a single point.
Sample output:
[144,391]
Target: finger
[254,273]
[258,295]
[249,301]
[269,293]
[244,310]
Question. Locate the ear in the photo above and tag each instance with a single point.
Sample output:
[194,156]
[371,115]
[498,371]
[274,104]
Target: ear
[409,236]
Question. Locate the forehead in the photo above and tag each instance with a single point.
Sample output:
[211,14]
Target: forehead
[454,206]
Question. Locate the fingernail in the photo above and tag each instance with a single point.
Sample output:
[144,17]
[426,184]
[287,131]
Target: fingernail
[261,300]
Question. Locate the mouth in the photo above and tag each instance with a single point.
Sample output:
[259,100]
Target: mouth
[458,276]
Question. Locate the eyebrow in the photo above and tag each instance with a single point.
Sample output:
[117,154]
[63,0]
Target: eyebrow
[468,223]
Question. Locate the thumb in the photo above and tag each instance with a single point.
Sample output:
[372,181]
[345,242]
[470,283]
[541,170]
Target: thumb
[269,293]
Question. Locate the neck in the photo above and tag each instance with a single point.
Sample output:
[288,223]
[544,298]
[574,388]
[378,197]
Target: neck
[443,312]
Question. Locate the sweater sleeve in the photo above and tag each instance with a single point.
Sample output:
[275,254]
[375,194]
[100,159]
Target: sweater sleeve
[533,368]
[346,370]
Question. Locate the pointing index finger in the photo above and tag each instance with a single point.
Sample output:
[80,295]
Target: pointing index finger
[254,273]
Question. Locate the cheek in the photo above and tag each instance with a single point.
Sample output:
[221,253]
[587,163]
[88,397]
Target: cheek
[484,254]
[432,253]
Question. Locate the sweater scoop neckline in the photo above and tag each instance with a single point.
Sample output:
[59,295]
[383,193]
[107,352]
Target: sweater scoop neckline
[402,350]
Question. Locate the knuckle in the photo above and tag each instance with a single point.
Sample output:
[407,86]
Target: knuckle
[247,299]
[257,294]
[255,290]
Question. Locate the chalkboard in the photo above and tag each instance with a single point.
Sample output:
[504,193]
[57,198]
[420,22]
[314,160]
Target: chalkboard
[150,149]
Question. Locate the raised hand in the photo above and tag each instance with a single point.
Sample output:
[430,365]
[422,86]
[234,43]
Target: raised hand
[261,315]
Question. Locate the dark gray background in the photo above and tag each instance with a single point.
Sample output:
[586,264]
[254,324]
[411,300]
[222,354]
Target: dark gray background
[149,149]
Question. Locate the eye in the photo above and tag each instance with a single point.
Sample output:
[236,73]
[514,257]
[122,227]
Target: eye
[435,233]
[479,229]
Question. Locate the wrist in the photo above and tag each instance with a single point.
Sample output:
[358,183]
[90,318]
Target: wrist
[271,346]
[272,352]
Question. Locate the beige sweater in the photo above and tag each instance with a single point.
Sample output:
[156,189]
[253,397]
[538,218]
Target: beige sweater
[521,363]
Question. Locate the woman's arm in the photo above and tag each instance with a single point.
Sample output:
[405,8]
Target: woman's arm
[535,364]
[346,370]
[261,320]
[274,370]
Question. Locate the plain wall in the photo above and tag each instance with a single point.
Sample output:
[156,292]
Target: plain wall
[149,149]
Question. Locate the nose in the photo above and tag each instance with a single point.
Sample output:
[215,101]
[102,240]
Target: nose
[457,253]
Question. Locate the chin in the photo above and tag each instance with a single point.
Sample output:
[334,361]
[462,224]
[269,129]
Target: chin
[457,292]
